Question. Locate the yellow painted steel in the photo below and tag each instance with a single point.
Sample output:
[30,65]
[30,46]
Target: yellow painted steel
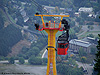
[60,22]
[51,66]
[52,16]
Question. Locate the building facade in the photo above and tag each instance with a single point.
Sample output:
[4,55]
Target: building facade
[75,45]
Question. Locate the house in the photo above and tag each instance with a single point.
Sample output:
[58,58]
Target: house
[49,8]
[75,45]
[23,13]
[91,40]
[77,14]
[86,10]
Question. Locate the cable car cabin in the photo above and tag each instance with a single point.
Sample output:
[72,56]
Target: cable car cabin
[62,48]
[63,44]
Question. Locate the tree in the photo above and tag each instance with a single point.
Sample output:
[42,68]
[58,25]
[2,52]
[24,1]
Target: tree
[97,59]
[44,60]
[90,27]
[35,60]
[72,35]
[84,15]
[90,35]
[56,9]
[3,2]
[11,60]
[20,19]
[72,23]
[93,50]
[9,36]
[1,21]
[21,60]
[77,29]
[68,70]
[82,52]
[83,59]
[58,59]
[36,49]
[77,2]
[1,58]
[97,19]
[78,19]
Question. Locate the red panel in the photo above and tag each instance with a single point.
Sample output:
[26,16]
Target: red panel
[52,28]
[40,29]
[62,51]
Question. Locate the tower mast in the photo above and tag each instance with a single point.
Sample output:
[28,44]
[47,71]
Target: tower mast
[51,29]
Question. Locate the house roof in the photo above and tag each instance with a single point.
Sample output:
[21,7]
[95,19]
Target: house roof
[84,9]
[91,40]
[80,43]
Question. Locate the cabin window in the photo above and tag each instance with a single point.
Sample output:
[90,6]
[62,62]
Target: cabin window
[66,45]
[61,46]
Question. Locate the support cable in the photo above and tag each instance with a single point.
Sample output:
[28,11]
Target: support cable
[40,7]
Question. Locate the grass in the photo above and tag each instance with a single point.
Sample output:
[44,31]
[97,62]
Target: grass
[10,16]
[90,32]
[93,32]
[90,58]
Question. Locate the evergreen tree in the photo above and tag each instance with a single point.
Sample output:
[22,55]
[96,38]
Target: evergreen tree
[1,21]
[97,59]
[11,60]
[21,60]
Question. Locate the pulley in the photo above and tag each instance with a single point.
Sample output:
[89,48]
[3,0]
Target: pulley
[37,26]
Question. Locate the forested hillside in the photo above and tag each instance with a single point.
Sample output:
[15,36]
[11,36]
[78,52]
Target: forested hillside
[14,8]
[9,34]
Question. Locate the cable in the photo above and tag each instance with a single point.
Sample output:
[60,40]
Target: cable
[40,7]
[43,36]
[20,26]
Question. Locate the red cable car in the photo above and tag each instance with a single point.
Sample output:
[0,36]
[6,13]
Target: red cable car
[62,48]
[63,43]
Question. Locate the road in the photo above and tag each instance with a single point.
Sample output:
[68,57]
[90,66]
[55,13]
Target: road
[33,70]
[84,29]
[16,68]
[86,67]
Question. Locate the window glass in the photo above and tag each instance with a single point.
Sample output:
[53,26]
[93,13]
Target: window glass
[66,45]
[58,46]
[61,46]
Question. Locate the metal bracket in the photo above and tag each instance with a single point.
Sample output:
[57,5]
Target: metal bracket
[51,47]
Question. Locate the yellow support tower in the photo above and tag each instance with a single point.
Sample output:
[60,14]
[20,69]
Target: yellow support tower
[51,66]
[51,30]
